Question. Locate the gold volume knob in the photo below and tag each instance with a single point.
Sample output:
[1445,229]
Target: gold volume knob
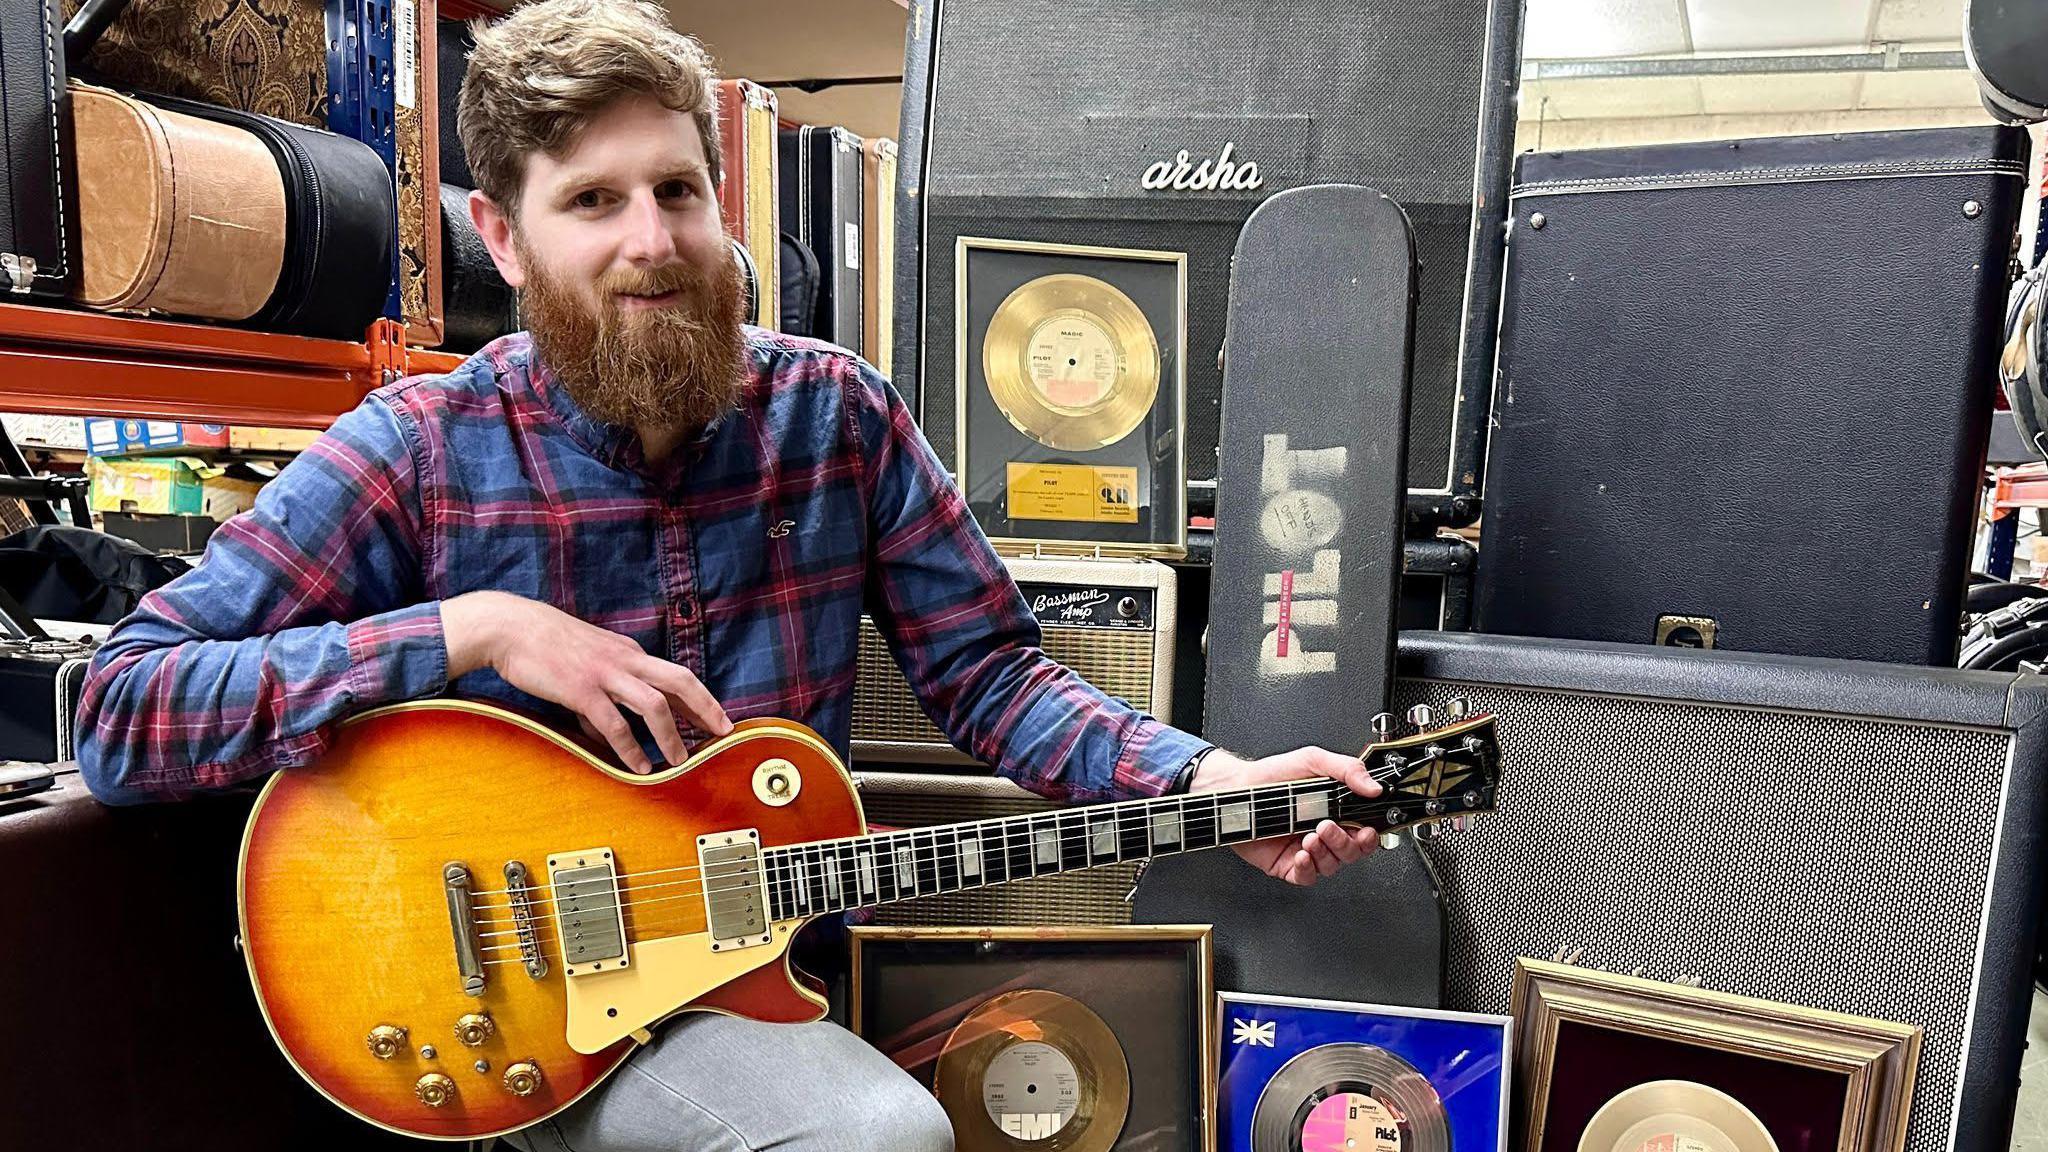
[522,1078]
[386,1041]
[434,1089]
[473,1028]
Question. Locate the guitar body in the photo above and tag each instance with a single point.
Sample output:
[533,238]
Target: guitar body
[347,924]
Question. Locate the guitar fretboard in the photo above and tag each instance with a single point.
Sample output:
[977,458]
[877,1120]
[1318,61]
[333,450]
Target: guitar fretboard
[835,875]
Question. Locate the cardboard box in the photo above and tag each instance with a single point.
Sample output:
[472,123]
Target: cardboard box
[272,439]
[109,437]
[178,535]
[173,486]
[29,431]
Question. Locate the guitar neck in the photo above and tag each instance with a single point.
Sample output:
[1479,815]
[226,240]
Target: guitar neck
[882,868]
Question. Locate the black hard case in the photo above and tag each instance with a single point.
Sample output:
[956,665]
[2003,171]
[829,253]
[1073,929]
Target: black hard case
[39,213]
[821,202]
[39,686]
[1749,381]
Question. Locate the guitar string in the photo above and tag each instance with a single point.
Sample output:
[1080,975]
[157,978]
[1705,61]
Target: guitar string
[792,887]
[1253,793]
[931,850]
[1261,807]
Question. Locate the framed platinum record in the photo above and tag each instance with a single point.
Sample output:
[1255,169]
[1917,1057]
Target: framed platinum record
[1073,395]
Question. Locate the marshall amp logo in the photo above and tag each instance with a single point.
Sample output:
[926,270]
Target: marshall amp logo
[1221,174]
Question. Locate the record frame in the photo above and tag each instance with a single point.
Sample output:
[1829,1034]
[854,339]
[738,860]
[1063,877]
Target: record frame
[1155,282]
[1597,1047]
[1153,984]
[1459,1065]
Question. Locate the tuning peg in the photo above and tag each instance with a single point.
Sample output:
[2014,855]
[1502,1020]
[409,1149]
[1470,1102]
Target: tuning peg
[1427,832]
[1460,823]
[1473,745]
[1421,716]
[1383,727]
[1390,839]
[1457,708]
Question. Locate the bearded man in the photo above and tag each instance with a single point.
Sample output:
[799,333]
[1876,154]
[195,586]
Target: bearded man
[641,512]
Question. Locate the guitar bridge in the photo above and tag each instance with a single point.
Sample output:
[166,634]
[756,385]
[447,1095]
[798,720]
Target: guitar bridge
[520,893]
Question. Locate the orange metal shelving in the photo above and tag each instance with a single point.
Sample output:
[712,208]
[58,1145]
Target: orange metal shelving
[58,361]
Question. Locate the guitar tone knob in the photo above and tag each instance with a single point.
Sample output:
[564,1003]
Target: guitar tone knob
[434,1089]
[474,1028]
[1421,716]
[522,1078]
[386,1041]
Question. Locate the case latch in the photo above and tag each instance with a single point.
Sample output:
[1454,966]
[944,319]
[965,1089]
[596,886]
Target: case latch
[20,271]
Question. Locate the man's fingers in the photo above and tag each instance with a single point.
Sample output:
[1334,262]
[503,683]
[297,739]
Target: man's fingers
[688,692]
[1352,771]
[1301,869]
[1338,841]
[652,705]
[1326,862]
[605,717]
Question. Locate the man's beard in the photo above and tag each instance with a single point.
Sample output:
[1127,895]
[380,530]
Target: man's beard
[674,367]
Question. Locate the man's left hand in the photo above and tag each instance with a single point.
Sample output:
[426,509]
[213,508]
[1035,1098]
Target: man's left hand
[1296,859]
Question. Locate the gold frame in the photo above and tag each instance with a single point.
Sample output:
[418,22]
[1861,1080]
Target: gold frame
[1201,935]
[1178,548]
[1879,1057]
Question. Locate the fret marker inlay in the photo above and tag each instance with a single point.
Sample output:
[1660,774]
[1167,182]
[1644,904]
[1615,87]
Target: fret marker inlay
[1166,827]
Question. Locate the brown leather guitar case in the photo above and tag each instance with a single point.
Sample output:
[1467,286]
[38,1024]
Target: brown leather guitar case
[270,56]
[747,198]
[176,214]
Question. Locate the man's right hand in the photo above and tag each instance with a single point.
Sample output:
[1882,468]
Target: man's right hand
[542,650]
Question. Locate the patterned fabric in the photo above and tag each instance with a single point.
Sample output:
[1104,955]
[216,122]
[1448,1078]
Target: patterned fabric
[747,557]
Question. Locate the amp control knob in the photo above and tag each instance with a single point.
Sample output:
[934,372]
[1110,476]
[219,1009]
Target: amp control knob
[473,1028]
[434,1089]
[386,1041]
[522,1078]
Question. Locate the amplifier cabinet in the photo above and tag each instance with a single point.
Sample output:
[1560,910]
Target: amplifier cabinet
[1111,620]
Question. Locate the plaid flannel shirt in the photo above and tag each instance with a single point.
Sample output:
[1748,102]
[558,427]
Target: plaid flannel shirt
[747,557]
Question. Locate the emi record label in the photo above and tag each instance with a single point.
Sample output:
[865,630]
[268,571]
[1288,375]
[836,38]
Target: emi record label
[1074,492]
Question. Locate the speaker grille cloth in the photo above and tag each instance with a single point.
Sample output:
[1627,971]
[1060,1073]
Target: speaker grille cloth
[1118,661]
[1094,896]
[1048,145]
[1834,862]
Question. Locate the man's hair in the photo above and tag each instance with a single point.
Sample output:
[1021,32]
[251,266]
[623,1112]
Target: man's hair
[539,75]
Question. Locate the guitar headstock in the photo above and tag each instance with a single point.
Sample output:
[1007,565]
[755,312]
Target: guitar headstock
[1434,778]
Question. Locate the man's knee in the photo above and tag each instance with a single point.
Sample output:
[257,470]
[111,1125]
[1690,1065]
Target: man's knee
[909,1119]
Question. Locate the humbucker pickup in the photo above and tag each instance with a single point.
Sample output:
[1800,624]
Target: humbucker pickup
[735,889]
[588,919]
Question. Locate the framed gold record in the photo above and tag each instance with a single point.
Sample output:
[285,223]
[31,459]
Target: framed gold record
[1072,401]
[1613,1063]
[1081,1039]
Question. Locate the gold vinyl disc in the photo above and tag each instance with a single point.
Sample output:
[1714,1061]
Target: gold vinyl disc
[1349,1098]
[1033,1071]
[1072,362]
[1675,1116]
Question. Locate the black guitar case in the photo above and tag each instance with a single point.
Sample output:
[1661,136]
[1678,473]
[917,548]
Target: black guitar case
[39,213]
[1302,614]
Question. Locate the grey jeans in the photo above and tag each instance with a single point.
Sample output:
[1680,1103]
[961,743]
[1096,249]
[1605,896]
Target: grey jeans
[715,1083]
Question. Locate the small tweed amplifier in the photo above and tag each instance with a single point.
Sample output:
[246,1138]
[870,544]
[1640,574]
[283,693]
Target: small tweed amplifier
[1111,620]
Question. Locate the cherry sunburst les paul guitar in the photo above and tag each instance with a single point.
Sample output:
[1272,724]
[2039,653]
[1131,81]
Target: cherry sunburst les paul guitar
[458,922]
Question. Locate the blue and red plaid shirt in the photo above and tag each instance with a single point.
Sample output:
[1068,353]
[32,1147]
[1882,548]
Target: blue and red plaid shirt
[747,557]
